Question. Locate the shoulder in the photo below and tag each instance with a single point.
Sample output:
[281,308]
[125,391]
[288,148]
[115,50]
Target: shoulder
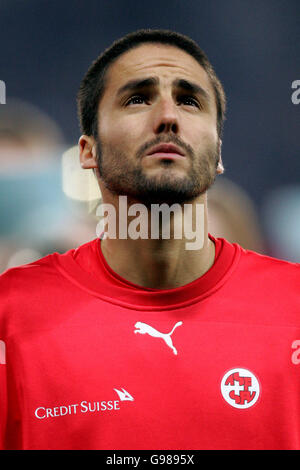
[20,284]
[15,276]
[37,276]
[31,295]
[28,281]
[264,260]
[269,270]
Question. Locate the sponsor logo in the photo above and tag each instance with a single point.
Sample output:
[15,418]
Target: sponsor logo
[123,395]
[240,388]
[84,406]
[143,328]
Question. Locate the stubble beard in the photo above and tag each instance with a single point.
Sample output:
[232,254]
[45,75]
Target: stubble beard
[122,177]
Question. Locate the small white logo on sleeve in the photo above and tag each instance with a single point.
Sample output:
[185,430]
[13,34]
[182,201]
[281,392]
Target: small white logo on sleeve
[240,388]
[2,352]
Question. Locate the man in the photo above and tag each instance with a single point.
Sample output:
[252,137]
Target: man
[148,342]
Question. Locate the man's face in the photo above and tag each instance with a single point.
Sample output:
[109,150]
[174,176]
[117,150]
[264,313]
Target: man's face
[157,94]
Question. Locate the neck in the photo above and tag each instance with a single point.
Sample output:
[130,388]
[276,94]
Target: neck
[175,248]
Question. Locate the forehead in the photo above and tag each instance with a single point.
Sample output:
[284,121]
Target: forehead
[164,61]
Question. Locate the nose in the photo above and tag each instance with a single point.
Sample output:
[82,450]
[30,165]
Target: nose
[166,117]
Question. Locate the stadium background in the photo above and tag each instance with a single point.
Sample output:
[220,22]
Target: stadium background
[47,46]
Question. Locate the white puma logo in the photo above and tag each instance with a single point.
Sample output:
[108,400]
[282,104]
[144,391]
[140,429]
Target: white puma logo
[144,328]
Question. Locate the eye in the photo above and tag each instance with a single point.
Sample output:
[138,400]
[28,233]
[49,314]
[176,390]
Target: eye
[189,101]
[136,99]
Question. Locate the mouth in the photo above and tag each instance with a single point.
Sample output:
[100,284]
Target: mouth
[166,150]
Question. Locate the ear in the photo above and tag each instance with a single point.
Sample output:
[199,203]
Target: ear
[220,167]
[87,152]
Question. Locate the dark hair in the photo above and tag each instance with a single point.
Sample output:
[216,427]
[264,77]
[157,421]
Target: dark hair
[93,83]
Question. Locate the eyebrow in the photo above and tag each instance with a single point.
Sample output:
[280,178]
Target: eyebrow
[191,87]
[138,84]
[186,85]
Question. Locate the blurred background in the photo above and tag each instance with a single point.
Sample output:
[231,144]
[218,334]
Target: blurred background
[47,203]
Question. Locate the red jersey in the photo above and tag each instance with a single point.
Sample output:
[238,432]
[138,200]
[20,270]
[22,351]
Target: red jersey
[89,360]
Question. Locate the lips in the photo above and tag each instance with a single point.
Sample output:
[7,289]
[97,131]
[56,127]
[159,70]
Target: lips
[166,148]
